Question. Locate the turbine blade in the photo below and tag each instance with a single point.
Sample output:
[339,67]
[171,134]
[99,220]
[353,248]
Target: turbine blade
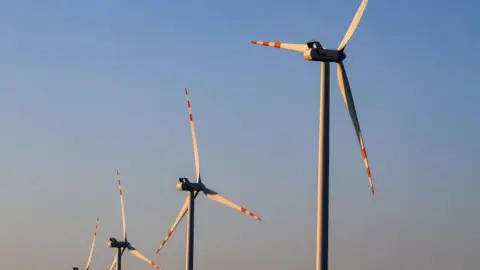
[114,263]
[287,46]
[353,25]
[139,255]
[348,98]
[93,246]
[177,221]
[124,223]
[194,138]
[219,198]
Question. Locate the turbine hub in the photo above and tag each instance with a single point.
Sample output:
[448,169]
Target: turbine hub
[181,186]
[112,242]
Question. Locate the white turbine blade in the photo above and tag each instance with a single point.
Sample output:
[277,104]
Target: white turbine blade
[139,255]
[93,246]
[194,138]
[114,263]
[124,223]
[287,46]
[177,221]
[175,224]
[348,98]
[219,198]
[353,25]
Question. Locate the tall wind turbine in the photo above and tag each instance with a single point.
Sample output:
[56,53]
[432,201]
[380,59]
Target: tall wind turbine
[91,249]
[314,51]
[122,245]
[193,190]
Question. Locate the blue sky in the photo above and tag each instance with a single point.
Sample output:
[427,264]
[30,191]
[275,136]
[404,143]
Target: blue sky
[87,87]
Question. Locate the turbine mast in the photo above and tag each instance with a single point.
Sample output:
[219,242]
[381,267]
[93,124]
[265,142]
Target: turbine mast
[323,169]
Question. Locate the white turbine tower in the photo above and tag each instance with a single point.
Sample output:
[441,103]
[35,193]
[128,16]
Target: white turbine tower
[314,51]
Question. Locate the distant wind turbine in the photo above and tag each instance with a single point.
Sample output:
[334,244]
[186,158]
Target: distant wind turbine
[194,189]
[314,51]
[87,267]
[122,245]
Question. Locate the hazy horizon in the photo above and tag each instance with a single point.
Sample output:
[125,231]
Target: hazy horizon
[89,87]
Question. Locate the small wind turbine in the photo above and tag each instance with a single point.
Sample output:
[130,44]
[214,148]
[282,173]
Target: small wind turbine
[91,249]
[314,51]
[194,189]
[122,245]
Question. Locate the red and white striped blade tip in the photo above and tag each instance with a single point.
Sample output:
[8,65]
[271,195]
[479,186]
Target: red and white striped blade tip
[265,43]
[280,45]
[164,242]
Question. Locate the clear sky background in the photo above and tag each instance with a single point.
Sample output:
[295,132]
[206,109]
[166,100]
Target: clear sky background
[87,87]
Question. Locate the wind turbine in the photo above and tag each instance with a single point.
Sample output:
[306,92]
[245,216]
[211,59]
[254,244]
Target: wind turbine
[314,51]
[91,249]
[194,189]
[122,245]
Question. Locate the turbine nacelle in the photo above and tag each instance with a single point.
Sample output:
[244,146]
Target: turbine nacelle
[318,53]
[186,185]
[113,243]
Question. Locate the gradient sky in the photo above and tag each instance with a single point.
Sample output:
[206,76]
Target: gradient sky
[87,87]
